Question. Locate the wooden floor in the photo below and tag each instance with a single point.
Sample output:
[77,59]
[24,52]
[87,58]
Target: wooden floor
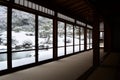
[108,70]
[69,68]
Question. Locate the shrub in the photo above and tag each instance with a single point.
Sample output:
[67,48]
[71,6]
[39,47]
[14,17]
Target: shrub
[27,44]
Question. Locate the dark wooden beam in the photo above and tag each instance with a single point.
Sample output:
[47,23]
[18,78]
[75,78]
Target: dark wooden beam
[75,4]
[85,37]
[96,48]
[36,38]
[69,3]
[65,39]
[9,38]
[82,7]
[107,37]
[55,32]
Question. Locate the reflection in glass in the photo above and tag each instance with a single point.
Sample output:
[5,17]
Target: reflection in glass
[61,38]
[3,37]
[45,38]
[23,38]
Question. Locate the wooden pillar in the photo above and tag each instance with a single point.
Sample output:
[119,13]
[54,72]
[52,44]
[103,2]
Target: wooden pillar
[36,38]
[55,30]
[96,49]
[9,37]
[73,38]
[107,37]
[85,37]
[65,39]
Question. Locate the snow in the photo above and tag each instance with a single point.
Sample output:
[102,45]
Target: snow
[3,65]
[20,37]
[69,50]
[61,51]
[45,54]
[76,48]
[23,61]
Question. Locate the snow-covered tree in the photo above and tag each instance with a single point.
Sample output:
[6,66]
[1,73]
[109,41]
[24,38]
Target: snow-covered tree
[45,28]
[3,18]
[22,21]
[61,29]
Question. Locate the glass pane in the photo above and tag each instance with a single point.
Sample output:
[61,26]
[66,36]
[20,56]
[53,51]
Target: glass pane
[36,7]
[88,38]
[3,37]
[90,45]
[61,38]
[26,3]
[82,38]
[23,38]
[17,1]
[69,49]
[45,38]
[76,38]
[33,5]
[101,39]
[40,8]
[69,34]
[69,38]
[21,2]
[76,48]
[22,58]
[30,5]
[82,47]
[76,33]
[3,61]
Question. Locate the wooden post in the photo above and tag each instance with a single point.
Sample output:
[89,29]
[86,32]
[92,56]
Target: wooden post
[96,49]
[55,30]
[36,38]
[85,37]
[65,39]
[9,38]
[107,37]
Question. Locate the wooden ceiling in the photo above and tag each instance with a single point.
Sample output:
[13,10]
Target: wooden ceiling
[109,9]
[79,9]
[106,7]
